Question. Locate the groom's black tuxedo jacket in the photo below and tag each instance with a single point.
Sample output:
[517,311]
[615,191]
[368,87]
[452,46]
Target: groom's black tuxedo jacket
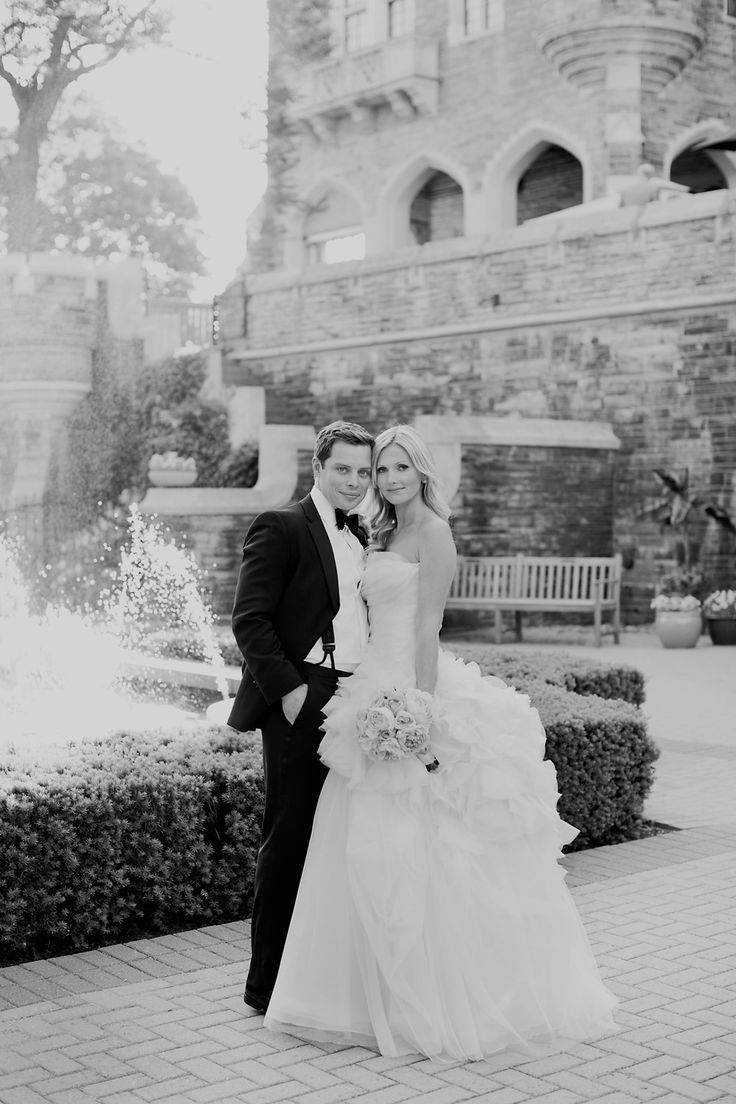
[287,596]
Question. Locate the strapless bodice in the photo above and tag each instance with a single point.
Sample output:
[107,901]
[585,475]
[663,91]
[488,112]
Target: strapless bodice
[391,590]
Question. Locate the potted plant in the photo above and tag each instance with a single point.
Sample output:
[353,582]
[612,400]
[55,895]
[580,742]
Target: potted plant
[678,609]
[676,510]
[678,618]
[169,469]
[719,610]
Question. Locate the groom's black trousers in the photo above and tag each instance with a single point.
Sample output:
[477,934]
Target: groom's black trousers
[293,776]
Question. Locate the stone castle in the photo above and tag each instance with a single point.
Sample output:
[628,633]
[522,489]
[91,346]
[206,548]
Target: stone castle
[458,233]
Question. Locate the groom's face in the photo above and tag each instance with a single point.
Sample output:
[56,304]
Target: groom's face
[344,477]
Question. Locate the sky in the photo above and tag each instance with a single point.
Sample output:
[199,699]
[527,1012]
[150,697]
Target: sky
[185,104]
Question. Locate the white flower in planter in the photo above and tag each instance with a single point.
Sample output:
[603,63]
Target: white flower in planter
[171,461]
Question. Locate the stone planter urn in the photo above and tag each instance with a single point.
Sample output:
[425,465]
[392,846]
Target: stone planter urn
[678,628]
[169,469]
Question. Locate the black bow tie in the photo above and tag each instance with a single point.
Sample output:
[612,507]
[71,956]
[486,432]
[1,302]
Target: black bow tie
[351,520]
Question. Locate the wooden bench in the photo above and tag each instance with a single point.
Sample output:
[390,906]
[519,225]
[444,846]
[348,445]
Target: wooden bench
[540,583]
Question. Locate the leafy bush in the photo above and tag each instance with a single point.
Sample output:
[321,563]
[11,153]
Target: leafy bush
[583,676]
[596,735]
[135,836]
[240,468]
[175,417]
[604,759]
[105,445]
[145,834]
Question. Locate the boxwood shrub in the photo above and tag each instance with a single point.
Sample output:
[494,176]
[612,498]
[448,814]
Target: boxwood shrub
[139,835]
[134,836]
[604,759]
[584,676]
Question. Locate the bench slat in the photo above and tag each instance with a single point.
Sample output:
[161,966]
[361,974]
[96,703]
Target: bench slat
[538,583]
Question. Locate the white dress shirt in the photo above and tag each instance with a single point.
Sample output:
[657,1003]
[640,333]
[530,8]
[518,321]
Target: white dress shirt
[350,623]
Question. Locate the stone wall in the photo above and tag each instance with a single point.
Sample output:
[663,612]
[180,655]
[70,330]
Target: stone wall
[587,259]
[538,501]
[602,314]
[605,320]
[501,94]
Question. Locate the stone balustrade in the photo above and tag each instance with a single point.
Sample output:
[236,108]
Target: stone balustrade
[403,72]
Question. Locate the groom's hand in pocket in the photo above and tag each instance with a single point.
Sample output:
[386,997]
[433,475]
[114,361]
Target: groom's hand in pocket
[292,702]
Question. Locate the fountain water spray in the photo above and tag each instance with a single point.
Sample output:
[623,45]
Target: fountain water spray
[60,671]
[160,586]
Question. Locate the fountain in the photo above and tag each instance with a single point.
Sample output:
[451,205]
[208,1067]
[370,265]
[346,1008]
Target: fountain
[66,676]
[160,584]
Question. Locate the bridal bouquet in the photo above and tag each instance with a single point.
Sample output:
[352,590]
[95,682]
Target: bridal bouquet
[397,723]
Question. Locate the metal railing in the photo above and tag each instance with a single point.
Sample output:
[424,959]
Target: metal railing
[194,321]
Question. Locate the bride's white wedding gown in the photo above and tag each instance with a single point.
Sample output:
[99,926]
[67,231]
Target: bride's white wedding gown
[432,915]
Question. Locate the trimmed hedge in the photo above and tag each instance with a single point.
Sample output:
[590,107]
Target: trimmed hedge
[137,836]
[604,759]
[596,736]
[583,676]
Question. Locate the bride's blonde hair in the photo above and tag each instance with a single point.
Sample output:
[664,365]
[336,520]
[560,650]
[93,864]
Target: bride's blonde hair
[383,521]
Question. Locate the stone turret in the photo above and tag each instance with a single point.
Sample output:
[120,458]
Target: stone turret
[51,323]
[624,51]
[47,328]
[583,37]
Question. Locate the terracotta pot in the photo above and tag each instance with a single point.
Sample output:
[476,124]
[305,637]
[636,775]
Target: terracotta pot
[722,630]
[678,628]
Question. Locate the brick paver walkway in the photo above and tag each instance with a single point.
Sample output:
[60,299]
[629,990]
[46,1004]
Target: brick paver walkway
[163,1019]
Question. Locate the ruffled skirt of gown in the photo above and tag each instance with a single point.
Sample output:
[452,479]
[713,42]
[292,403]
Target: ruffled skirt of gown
[432,915]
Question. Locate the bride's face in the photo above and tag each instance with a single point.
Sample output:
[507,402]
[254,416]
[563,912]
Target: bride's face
[396,477]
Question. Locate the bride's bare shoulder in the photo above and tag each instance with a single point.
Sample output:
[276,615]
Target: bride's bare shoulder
[436,533]
[434,524]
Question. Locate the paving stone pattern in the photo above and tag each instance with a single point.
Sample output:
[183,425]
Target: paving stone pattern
[163,1019]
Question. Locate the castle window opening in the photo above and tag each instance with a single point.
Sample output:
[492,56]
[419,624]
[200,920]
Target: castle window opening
[334,248]
[698,170]
[437,211]
[399,18]
[552,182]
[729,9]
[482,16]
[333,230]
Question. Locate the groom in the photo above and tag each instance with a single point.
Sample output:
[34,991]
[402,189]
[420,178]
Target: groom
[300,624]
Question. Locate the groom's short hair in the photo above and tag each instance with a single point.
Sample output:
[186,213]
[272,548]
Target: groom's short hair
[349,432]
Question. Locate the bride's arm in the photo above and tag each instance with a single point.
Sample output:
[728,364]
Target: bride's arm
[437,558]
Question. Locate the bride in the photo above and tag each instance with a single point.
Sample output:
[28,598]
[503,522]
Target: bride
[432,915]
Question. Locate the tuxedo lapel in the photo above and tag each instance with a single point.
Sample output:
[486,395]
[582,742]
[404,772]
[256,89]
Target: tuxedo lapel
[318,533]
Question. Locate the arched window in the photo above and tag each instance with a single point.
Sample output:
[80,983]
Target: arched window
[553,181]
[437,211]
[698,170]
[333,229]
